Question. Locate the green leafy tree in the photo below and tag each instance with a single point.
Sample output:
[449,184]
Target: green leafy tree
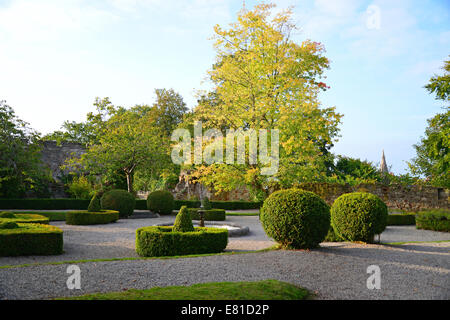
[432,153]
[263,79]
[21,169]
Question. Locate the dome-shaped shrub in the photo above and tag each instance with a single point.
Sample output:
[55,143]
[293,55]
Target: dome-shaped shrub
[118,200]
[358,216]
[183,221]
[160,202]
[295,218]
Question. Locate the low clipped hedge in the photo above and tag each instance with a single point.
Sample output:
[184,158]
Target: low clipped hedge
[433,220]
[358,216]
[118,200]
[157,241]
[209,215]
[44,204]
[226,205]
[31,239]
[160,202]
[295,218]
[85,217]
[23,218]
[401,219]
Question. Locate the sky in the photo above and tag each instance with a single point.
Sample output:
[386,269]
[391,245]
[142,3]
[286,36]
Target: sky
[57,56]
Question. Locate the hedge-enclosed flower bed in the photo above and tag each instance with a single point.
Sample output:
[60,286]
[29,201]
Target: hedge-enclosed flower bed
[209,215]
[23,218]
[24,239]
[157,241]
[433,220]
[85,217]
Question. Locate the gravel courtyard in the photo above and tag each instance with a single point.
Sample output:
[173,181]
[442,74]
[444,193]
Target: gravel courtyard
[333,271]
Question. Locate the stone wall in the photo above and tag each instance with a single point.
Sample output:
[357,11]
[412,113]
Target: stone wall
[54,156]
[411,198]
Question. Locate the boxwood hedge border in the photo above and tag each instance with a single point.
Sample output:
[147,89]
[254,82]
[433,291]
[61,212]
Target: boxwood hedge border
[31,239]
[84,217]
[157,241]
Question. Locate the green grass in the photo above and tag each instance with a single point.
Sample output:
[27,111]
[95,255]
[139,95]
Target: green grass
[53,216]
[407,242]
[243,213]
[244,290]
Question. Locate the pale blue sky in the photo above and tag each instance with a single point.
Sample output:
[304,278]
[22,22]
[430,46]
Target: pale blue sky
[56,56]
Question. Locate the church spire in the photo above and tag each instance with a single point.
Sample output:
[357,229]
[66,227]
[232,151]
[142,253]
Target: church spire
[383,165]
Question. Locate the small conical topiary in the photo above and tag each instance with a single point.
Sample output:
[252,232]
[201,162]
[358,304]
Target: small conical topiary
[206,204]
[183,221]
[94,205]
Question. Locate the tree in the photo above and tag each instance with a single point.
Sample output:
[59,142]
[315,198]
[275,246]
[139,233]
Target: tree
[170,109]
[262,79]
[432,153]
[21,169]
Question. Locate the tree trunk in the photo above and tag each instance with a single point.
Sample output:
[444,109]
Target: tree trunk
[129,181]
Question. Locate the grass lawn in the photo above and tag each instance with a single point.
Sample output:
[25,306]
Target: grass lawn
[256,290]
[242,213]
[53,216]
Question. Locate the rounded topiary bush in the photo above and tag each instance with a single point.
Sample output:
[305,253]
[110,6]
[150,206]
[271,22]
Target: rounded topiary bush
[119,200]
[161,202]
[295,218]
[95,205]
[358,216]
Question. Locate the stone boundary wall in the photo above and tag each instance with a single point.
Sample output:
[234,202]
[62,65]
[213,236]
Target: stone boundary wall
[410,198]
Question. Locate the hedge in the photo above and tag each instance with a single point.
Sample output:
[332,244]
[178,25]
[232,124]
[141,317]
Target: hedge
[156,241]
[26,218]
[433,220]
[160,202]
[209,215]
[119,200]
[401,219]
[82,204]
[85,217]
[31,239]
[44,204]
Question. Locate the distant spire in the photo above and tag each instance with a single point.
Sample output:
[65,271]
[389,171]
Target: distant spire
[383,165]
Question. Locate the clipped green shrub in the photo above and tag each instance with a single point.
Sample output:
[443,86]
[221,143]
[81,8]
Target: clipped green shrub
[8,225]
[332,236]
[87,218]
[7,214]
[401,219]
[157,241]
[209,215]
[183,221]
[31,239]
[26,218]
[358,216]
[161,202]
[295,218]
[435,220]
[118,200]
[95,205]
[207,204]
[44,204]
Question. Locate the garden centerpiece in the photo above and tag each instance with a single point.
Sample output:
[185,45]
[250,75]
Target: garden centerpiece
[7,216]
[180,239]
[93,215]
[21,239]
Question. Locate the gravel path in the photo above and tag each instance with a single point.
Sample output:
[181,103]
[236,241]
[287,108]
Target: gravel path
[334,271]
